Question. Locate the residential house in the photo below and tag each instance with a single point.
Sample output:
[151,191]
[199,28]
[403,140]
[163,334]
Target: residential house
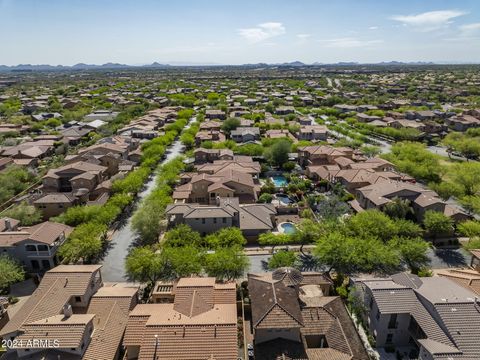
[34,247]
[251,219]
[203,155]
[204,188]
[422,200]
[215,114]
[245,134]
[200,324]
[321,154]
[463,122]
[280,133]
[284,110]
[238,163]
[71,315]
[312,133]
[104,115]
[293,317]
[434,318]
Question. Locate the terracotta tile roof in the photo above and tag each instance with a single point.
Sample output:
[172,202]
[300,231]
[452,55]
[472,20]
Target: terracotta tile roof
[55,290]
[195,326]
[111,306]
[69,332]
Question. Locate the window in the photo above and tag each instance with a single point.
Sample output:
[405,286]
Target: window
[78,299]
[214,220]
[378,315]
[35,265]
[203,221]
[389,338]
[60,206]
[224,220]
[371,303]
[392,323]
[30,248]
[42,248]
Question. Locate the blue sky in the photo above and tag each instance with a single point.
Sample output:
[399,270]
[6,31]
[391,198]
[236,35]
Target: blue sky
[237,32]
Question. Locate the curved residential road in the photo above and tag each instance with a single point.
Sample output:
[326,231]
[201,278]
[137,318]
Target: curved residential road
[113,269]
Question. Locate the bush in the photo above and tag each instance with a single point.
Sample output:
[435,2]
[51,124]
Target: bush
[265,198]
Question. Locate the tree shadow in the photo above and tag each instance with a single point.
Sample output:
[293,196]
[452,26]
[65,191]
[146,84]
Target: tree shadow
[452,257]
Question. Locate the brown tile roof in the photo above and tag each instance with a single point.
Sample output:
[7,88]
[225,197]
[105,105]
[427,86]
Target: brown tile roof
[69,332]
[46,232]
[194,327]
[274,305]
[55,290]
[111,306]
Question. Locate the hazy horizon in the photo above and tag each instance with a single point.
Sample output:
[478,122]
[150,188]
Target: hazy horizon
[229,33]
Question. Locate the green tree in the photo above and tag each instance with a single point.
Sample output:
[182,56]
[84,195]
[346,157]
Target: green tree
[26,214]
[230,124]
[143,264]
[11,272]
[277,154]
[183,261]
[436,223]
[265,198]
[467,176]
[307,233]
[182,235]
[269,239]
[413,253]
[226,263]
[282,258]
[469,228]
[372,224]
[85,242]
[398,208]
[226,238]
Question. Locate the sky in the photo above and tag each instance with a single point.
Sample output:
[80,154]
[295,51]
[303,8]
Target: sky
[237,32]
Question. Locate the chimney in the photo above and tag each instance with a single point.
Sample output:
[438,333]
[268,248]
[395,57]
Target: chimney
[217,200]
[8,224]
[67,310]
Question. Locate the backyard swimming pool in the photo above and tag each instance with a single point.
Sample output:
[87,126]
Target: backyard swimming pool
[284,199]
[279,181]
[288,228]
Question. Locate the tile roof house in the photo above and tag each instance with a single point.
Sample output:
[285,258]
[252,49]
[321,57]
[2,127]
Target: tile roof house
[203,155]
[422,200]
[236,163]
[215,114]
[252,219]
[71,311]
[200,324]
[245,134]
[69,184]
[279,134]
[34,247]
[436,317]
[322,154]
[294,318]
[312,133]
[226,182]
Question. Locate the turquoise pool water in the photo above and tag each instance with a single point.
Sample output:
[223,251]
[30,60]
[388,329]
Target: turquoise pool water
[279,181]
[288,228]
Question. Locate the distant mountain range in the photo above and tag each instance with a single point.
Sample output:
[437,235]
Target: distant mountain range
[110,65]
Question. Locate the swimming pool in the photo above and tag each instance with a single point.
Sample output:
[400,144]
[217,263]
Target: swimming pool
[284,199]
[279,181]
[288,228]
